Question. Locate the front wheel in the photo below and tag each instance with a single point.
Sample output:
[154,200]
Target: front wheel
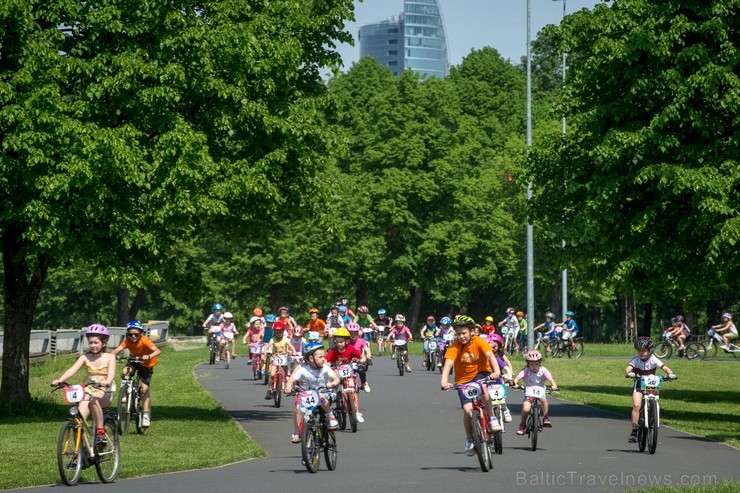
[652,432]
[534,420]
[107,453]
[663,350]
[351,411]
[123,415]
[642,430]
[70,454]
[695,350]
[399,362]
[277,392]
[310,446]
[481,448]
[330,449]
[227,358]
[340,411]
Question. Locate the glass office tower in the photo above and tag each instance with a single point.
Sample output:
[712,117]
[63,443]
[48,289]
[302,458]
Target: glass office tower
[415,40]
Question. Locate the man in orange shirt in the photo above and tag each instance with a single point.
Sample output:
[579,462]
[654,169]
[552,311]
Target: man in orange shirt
[140,346]
[473,360]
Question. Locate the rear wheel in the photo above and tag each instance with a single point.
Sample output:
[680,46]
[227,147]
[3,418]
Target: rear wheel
[330,449]
[107,457]
[310,446]
[663,350]
[576,352]
[652,432]
[69,454]
[481,448]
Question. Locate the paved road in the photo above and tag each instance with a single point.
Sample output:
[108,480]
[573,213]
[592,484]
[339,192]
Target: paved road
[412,441]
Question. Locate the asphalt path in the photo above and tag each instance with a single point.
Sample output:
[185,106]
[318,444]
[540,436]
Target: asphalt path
[412,441]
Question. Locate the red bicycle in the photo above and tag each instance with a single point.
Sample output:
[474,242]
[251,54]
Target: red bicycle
[255,351]
[280,361]
[347,407]
[483,435]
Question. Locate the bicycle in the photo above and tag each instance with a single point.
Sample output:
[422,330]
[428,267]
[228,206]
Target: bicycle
[226,353]
[715,340]
[573,347]
[497,393]
[430,356]
[78,447]
[534,423]
[129,399]
[482,433]
[649,421]
[692,350]
[212,347]
[255,350]
[381,339]
[347,406]
[280,361]
[316,437]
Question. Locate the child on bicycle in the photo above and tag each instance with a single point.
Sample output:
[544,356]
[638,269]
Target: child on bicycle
[429,332]
[679,332]
[473,360]
[297,341]
[534,374]
[507,371]
[362,345]
[344,353]
[140,346]
[228,334]
[314,374]
[644,363]
[401,333]
[727,330]
[279,345]
[101,370]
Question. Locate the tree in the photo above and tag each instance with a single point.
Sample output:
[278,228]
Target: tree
[136,125]
[651,160]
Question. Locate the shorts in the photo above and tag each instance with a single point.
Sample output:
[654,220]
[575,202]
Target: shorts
[464,400]
[403,348]
[145,373]
[732,335]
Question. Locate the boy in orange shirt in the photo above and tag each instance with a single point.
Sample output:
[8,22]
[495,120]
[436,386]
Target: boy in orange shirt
[473,360]
[140,346]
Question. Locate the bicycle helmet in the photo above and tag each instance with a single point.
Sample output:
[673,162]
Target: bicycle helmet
[644,343]
[445,321]
[270,318]
[362,309]
[675,320]
[228,315]
[134,324]
[310,347]
[727,315]
[97,330]
[510,311]
[314,310]
[550,315]
[279,325]
[570,314]
[533,355]
[218,307]
[352,327]
[495,337]
[341,332]
[489,319]
[298,331]
[257,312]
[520,314]
[343,309]
[284,309]
[400,318]
[381,311]
[463,321]
[679,318]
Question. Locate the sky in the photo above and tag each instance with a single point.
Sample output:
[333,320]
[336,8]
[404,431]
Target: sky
[472,24]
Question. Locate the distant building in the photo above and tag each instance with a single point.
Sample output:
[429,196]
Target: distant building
[415,40]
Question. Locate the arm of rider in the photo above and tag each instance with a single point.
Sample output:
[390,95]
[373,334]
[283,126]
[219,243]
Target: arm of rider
[111,376]
[493,363]
[334,383]
[70,372]
[289,383]
[444,379]
[668,371]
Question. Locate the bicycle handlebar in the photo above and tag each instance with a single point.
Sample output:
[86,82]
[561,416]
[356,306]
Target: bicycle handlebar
[634,376]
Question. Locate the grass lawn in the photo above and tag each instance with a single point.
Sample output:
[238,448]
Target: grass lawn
[185,417]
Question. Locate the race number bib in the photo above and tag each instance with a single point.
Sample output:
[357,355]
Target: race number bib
[650,381]
[497,391]
[256,348]
[307,401]
[73,393]
[449,337]
[399,342]
[471,390]
[432,345]
[345,371]
[279,360]
[535,391]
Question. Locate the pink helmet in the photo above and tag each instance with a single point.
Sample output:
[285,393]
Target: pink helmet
[97,330]
[353,327]
[495,337]
[727,315]
[400,318]
[533,356]
[298,331]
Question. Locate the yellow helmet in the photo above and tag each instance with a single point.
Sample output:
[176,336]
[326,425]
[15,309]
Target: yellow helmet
[341,332]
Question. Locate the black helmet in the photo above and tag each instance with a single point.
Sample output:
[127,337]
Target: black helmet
[644,343]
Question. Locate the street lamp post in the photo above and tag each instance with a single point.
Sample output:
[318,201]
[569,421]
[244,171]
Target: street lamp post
[565,270]
[530,230]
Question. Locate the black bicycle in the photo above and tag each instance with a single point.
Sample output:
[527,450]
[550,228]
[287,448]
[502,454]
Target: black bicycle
[129,400]
[316,437]
[535,423]
[649,421]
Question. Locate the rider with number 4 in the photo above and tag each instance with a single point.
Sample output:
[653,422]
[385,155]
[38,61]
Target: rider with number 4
[140,346]
[534,375]
[473,360]
[401,334]
[645,363]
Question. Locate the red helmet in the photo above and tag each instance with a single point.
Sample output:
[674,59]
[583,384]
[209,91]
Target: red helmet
[278,325]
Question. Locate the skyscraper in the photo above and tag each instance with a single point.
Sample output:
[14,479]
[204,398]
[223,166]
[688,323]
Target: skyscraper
[414,41]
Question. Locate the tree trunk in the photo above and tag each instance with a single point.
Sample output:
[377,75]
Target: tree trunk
[415,307]
[23,281]
[647,320]
[126,313]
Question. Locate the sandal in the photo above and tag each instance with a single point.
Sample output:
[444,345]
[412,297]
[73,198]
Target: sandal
[294,438]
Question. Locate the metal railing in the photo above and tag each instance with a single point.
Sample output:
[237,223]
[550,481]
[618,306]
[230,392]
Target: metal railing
[45,343]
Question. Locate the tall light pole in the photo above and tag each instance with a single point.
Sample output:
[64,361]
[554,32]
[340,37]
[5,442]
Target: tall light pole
[530,230]
[565,270]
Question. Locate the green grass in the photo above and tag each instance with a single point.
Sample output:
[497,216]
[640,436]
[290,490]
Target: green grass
[185,420]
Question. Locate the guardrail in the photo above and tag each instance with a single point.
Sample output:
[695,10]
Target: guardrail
[45,343]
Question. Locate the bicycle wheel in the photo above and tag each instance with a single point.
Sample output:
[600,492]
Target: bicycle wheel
[695,350]
[227,357]
[123,413]
[256,368]
[652,432]
[432,361]
[399,363]
[663,350]
[310,446]
[642,430]
[107,456]
[577,352]
[330,449]
[340,411]
[267,370]
[351,411]
[69,454]
[481,449]
[498,436]
[535,423]
[277,391]
[711,349]
[212,354]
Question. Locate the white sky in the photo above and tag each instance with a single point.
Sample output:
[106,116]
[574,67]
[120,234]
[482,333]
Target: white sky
[472,24]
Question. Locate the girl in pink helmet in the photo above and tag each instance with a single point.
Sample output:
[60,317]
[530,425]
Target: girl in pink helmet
[534,374]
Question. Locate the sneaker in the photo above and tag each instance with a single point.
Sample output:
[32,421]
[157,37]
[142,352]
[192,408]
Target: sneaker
[102,442]
[218,358]
[360,417]
[408,367]
[393,355]
[439,365]
[295,438]
[268,396]
[366,387]
[507,415]
[495,425]
[424,364]
[124,399]
[146,420]
[469,447]
[633,437]
[333,423]
[546,422]
[522,428]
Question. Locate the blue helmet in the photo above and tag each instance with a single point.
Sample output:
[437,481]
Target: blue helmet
[570,314]
[310,347]
[343,309]
[270,318]
[445,321]
[218,306]
[381,311]
[134,324]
